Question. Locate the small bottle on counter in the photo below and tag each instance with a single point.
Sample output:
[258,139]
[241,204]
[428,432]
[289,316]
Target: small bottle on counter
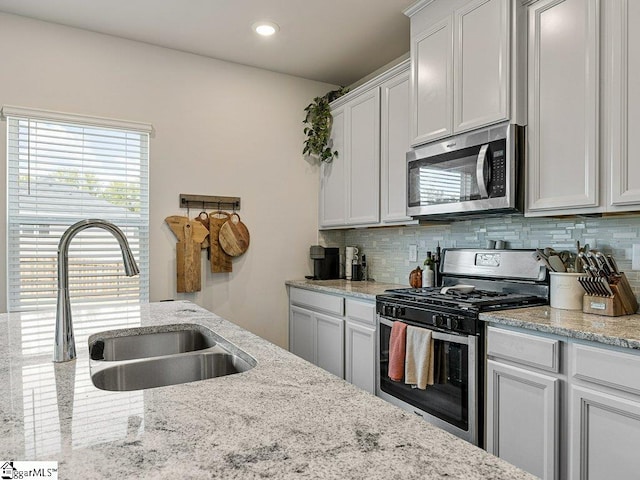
[429,274]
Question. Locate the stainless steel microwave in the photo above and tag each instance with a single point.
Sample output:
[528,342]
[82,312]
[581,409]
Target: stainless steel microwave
[476,173]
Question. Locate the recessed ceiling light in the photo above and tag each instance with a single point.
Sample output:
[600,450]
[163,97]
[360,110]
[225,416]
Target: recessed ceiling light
[265,29]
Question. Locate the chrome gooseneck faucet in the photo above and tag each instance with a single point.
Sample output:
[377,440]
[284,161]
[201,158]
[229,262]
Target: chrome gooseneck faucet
[65,345]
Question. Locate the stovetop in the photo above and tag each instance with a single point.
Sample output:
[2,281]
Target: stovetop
[499,280]
[479,300]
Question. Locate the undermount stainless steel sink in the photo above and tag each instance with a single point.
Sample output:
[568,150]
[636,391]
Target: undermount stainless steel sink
[143,345]
[148,357]
[169,370]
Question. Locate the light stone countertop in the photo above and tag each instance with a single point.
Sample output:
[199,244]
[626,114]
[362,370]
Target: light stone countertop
[283,419]
[365,290]
[623,331]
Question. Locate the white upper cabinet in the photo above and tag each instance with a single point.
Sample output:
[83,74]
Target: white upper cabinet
[461,67]
[362,158]
[622,112]
[333,191]
[584,107]
[481,64]
[394,144]
[350,183]
[432,92]
[365,185]
[563,122]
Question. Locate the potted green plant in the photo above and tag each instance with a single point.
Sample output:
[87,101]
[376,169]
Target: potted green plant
[318,121]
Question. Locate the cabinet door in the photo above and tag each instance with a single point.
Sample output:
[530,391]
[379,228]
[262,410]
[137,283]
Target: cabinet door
[481,64]
[563,106]
[622,97]
[363,158]
[360,356]
[329,337]
[605,434]
[432,83]
[302,333]
[395,142]
[522,418]
[333,200]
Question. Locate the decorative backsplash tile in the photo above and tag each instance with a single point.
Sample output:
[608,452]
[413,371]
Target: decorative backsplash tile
[387,249]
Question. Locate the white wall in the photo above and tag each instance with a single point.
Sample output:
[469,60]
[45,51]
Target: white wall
[221,129]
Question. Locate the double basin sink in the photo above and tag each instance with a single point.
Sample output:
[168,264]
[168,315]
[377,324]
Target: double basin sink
[148,357]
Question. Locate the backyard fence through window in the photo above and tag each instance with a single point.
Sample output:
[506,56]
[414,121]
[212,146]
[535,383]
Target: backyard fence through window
[62,169]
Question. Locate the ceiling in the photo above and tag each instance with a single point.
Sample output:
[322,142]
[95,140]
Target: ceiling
[333,41]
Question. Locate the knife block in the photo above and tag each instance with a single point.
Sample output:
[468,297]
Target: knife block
[623,301]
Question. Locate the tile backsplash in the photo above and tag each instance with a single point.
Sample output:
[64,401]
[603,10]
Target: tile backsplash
[387,249]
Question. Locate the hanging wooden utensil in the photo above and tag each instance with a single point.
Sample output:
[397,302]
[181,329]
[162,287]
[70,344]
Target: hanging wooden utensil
[190,235]
[219,260]
[234,236]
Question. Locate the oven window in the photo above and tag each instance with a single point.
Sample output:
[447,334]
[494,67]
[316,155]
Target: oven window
[448,398]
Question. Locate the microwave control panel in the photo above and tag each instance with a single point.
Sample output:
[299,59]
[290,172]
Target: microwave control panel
[498,187]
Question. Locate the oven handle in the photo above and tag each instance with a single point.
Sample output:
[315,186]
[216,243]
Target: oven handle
[481,166]
[460,339]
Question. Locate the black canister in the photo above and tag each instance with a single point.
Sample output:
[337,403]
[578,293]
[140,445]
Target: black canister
[356,272]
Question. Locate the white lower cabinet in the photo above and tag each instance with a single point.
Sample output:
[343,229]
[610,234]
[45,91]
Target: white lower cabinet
[318,338]
[604,421]
[605,435]
[523,401]
[529,440]
[302,333]
[330,343]
[335,333]
[563,408]
[316,329]
[360,344]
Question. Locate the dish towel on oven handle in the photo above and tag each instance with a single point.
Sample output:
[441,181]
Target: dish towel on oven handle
[419,358]
[397,342]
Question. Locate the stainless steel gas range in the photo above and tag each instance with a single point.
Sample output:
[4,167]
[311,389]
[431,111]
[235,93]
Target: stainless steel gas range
[473,281]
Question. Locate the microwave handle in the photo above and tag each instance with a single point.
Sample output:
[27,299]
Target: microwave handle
[481,166]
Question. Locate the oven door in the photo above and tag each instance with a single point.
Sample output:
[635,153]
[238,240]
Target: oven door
[450,403]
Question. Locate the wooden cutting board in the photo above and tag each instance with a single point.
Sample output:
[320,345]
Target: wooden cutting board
[190,235]
[234,236]
[203,218]
[219,260]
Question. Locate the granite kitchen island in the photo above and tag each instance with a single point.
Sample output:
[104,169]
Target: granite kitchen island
[285,418]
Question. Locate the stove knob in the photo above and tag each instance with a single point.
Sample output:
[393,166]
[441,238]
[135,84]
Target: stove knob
[455,324]
[401,311]
[440,320]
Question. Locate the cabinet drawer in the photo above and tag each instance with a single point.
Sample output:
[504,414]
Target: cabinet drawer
[523,348]
[610,368]
[361,311]
[321,302]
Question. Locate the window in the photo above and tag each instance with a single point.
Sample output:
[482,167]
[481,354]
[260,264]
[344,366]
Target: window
[62,169]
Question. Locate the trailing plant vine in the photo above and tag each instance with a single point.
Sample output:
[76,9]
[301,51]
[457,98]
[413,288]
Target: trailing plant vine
[318,130]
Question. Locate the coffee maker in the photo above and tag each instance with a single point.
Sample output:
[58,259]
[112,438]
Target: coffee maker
[326,262]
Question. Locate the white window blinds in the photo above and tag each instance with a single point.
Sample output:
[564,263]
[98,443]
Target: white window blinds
[62,169]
